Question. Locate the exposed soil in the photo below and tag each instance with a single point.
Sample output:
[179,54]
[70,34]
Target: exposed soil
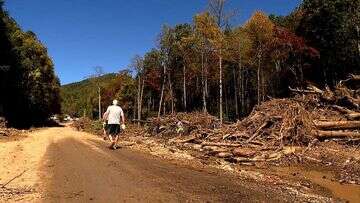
[61,164]
[328,169]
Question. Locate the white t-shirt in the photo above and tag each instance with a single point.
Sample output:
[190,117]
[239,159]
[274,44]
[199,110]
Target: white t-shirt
[114,113]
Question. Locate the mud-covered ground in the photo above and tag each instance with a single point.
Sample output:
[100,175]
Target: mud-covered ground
[327,169]
[62,164]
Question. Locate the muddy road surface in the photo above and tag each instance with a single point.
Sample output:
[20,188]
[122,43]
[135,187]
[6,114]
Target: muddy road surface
[64,165]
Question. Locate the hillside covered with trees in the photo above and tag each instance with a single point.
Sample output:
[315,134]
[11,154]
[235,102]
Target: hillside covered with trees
[80,98]
[28,84]
[213,66]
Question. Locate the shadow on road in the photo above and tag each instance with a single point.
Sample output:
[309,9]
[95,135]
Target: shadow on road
[74,170]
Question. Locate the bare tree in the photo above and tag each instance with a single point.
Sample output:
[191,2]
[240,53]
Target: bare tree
[216,9]
[138,65]
[166,42]
[358,36]
[162,91]
[236,94]
[184,86]
[221,87]
[98,72]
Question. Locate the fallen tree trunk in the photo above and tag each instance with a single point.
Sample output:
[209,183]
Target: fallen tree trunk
[315,89]
[342,109]
[335,134]
[297,90]
[140,121]
[220,144]
[352,77]
[337,125]
[355,103]
[352,115]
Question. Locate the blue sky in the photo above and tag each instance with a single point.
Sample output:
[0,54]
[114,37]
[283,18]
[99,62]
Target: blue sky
[81,34]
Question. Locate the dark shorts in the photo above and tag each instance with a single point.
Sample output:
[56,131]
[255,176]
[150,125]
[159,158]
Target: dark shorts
[113,129]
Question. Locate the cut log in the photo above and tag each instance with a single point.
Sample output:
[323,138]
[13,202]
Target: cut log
[352,115]
[337,125]
[244,152]
[220,144]
[352,101]
[214,151]
[335,134]
[224,155]
[242,159]
[342,109]
[255,159]
[297,90]
[315,89]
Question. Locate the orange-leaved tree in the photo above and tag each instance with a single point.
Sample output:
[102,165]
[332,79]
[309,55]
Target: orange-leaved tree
[259,29]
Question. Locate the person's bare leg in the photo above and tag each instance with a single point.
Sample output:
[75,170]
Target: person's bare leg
[116,140]
[105,135]
[112,140]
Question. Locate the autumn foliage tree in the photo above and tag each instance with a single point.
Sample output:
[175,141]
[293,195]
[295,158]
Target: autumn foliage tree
[225,70]
[260,31]
[290,53]
[191,62]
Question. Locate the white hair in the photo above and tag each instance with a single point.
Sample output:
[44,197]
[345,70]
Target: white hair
[115,102]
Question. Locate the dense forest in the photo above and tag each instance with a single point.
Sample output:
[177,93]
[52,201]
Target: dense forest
[80,96]
[30,89]
[215,67]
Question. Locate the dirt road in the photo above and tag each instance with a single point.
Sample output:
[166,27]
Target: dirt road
[60,164]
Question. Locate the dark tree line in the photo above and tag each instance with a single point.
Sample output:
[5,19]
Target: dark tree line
[29,87]
[332,27]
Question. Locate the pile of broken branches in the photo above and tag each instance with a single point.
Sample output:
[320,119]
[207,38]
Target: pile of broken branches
[346,103]
[87,125]
[10,132]
[274,128]
[181,123]
[7,132]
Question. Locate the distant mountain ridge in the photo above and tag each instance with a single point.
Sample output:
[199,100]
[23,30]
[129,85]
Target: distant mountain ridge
[79,98]
[86,81]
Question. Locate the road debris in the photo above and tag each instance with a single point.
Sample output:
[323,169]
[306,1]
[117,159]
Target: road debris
[278,131]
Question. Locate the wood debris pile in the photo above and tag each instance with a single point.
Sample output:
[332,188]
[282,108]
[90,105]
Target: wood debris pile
[87,125]
[339,116]
[274,128]
[181,123]
[82,124]
[7,132]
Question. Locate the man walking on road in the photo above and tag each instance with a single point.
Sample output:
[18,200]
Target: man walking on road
[113,115]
